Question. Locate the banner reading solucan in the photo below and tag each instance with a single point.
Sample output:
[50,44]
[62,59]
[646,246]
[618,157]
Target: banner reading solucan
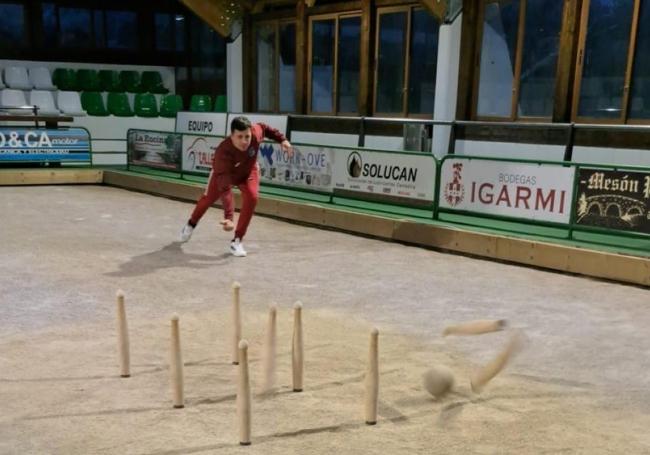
[393,174]
[198,152]
[528,191]
[310,167]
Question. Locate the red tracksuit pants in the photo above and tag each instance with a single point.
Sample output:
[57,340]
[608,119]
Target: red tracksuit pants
[249,192]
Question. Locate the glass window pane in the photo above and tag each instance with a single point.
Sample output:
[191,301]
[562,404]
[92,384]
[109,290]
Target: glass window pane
[208,55]
[539,59]
[498,50]
[75,27]
[322,65]
[288,67]
[605,58]
[49,23]
[423,57]
[180,32]
[348,65]
[390,65]
[121,30]
[164,37]
[100,38]
[12,26]
[640,94]
[265,67]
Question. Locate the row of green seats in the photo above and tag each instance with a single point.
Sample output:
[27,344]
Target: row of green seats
[108,81]
[145,105]
[203,103]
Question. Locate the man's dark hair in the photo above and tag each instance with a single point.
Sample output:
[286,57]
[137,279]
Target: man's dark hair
[240,124]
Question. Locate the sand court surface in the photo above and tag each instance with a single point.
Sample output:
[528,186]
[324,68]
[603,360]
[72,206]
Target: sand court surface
[579,385]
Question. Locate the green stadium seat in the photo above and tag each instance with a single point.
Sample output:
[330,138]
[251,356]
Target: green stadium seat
[93,104]
[56,76]
[152,82]
[109,81]
[66,79]
[88,80]
[145,105]
[118,104]
[200,103]
[220,104]
[171,105]
[131,81]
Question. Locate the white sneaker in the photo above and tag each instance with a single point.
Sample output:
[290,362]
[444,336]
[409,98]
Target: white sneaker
[237,249]
[186,233]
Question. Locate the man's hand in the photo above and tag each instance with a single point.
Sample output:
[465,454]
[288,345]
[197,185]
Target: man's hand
[227,225]
[287,147]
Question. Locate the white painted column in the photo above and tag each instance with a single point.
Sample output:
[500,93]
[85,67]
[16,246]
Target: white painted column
[446,83]
[235,75]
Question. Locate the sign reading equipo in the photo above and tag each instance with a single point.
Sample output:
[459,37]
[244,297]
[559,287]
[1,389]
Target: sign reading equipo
[310,167]
[30,144]
[390,174]
[530,191]
[198,152]
[201,123]
[154,149]
[613,199]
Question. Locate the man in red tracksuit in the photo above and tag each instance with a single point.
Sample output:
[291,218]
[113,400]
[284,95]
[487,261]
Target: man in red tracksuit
[235,164]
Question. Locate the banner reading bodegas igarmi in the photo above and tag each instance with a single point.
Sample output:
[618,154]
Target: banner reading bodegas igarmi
[541,192]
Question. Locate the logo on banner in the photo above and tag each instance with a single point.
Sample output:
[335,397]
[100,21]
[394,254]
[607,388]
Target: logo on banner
[455,190]
[354,165]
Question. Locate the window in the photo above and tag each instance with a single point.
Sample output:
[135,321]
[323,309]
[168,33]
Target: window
[407,52]
[334,57]
[640,93]
[603,57]
[613,68]
[169,32]
[121,30]
[322,66]
[208,69]
[12,26]
[275,60]
[74,27]
[519,43]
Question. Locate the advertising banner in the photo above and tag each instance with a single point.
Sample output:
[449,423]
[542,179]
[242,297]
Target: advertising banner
[309,168]
[613,199]
[396,175]
[520,190]
[44,145]
[198,152]
[154,149]
[201,123]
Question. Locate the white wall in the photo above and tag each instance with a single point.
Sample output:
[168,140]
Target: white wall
[235,75]
[602,155]
[511,150]
[446,83]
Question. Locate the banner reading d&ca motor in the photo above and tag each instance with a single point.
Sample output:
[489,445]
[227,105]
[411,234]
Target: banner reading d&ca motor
[43,145]
[519,190]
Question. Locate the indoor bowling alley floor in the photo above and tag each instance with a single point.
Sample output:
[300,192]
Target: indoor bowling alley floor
[580,385]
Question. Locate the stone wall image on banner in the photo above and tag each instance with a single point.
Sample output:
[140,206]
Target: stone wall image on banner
[613,199]
[155,149]
[310,167]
